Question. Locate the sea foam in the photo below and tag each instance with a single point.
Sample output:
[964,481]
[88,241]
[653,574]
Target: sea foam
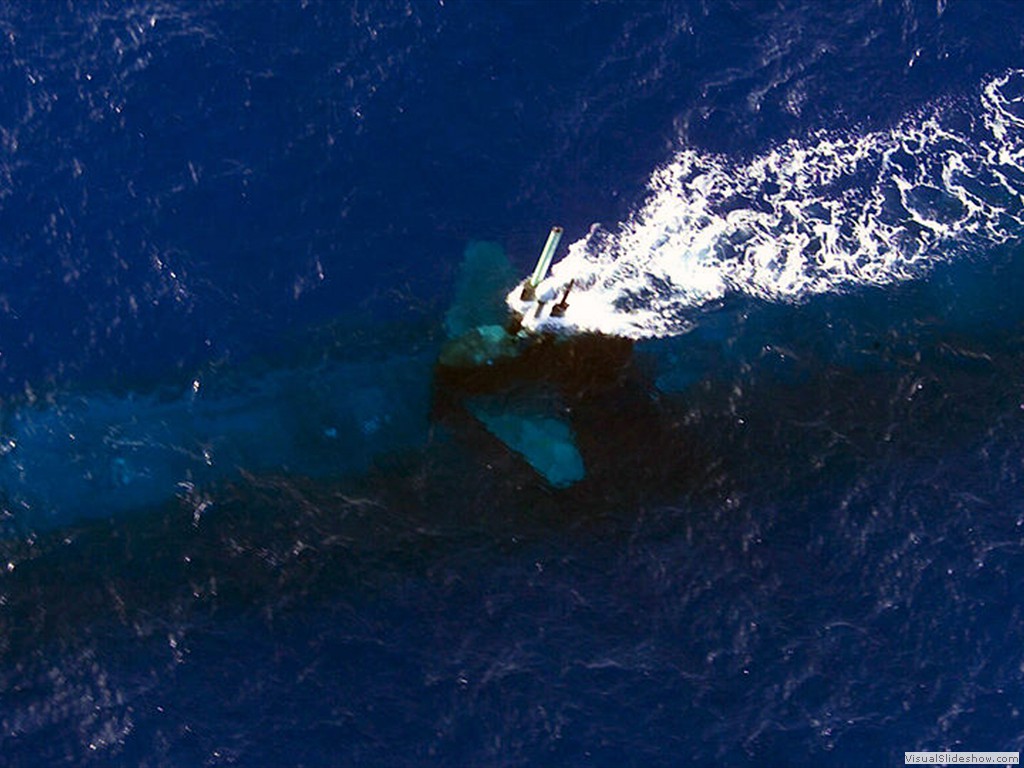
[831,212]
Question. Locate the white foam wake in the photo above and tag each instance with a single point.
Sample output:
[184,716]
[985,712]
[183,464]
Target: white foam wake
[825,214]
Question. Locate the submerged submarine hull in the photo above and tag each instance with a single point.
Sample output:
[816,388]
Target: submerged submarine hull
[575,366]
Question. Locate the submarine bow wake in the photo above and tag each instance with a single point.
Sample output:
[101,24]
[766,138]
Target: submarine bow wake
[829,214]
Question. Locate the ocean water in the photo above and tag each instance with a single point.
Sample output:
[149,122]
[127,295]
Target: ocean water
[235,531]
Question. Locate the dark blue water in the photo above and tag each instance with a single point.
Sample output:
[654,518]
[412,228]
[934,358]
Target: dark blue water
[827,572]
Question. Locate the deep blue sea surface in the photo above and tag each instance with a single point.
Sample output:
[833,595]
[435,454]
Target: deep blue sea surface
[234,531]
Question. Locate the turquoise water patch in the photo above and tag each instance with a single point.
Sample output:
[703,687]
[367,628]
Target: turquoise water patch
[485,276]
[546,442]
[85,455]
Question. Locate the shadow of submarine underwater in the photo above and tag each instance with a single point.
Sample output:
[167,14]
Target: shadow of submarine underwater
[581,415]
[74,456]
